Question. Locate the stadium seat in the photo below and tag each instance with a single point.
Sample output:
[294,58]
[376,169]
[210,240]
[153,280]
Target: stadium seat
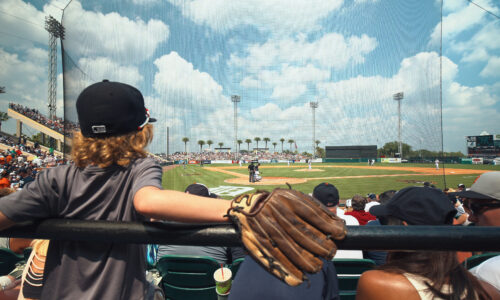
[188,277]
[235,266]
[348,272]
[8,260]
[475,260]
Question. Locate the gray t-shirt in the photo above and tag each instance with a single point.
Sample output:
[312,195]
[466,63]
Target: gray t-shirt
[88,270]
[223,255]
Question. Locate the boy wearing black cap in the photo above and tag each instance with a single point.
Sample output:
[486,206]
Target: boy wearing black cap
[112,179]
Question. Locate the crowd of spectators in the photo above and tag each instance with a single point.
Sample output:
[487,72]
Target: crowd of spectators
[244,157]
[20,163]
[58,124]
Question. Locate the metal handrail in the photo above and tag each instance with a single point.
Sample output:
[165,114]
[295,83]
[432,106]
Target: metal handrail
[460,238]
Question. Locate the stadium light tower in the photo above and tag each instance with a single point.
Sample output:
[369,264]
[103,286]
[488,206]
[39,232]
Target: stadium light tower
[56,30]
[236,99]
[398,97]
[314,105]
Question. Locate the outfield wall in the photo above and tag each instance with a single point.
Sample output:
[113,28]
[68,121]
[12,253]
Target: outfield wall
[351,152]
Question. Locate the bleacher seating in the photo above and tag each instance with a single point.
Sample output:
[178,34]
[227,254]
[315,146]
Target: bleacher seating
[348,272]
[188,277]
[476,260]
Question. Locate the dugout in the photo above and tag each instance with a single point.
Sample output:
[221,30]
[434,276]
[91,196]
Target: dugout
[357,152]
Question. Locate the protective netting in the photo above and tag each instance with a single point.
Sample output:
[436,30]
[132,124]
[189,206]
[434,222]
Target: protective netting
[189,57]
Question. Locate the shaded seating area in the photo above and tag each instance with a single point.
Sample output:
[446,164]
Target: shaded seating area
[348,272]
[476,260]
[8,260]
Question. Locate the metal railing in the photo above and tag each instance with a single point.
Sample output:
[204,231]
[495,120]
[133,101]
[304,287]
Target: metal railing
[460,238]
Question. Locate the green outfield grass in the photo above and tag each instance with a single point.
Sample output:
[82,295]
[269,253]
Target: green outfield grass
[178,178]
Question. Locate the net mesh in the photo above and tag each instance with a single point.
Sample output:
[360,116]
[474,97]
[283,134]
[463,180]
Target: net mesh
[189,57]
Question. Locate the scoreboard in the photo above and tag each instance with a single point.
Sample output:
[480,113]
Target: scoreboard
[483,145]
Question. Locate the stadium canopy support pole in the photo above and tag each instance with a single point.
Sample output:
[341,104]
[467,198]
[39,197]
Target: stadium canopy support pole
[456,238]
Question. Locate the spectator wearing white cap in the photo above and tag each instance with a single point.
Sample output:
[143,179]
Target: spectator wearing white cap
[482,203]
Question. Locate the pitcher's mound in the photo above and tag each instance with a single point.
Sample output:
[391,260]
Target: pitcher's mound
[309,170]
[266,181]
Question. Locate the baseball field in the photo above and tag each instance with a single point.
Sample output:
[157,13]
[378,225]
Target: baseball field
[228,181]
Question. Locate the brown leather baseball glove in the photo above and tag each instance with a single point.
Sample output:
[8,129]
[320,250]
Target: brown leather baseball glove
[287,232]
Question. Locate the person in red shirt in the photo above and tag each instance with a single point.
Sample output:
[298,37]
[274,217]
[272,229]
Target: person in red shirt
[4,181]
[358,210]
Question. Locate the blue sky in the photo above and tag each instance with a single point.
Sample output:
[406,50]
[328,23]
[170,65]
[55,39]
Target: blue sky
[189,57]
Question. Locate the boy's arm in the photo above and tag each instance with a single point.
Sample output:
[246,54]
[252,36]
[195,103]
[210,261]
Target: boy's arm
[5,222]
[178,206]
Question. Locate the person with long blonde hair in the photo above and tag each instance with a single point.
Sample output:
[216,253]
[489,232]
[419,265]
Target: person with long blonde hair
[111,179]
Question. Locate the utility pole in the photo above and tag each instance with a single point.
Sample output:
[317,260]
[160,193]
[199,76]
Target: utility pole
[314,105]
[236,99]
[56,30]
[398,97]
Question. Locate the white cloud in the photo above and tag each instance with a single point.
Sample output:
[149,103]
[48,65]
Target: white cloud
[481,45]
[460,20]
[111,35]
[492,69]
[288,92]
[104,68]
[300,62]
[23,23]
[331,50]
[25,79]
[177,80]
[278,16]
[287,84]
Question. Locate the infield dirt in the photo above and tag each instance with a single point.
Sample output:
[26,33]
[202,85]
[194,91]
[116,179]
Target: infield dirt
[416,171]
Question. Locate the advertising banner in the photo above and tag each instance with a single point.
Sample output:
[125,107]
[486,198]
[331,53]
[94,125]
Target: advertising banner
[477,160]
[206,162]
[220,161]
[390,160]
[193,162]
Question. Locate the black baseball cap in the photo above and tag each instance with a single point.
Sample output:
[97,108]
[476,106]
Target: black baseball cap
[327,194]
[200,190]
[111,108]
[418,206]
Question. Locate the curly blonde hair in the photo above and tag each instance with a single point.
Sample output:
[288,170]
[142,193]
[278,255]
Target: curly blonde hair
[103,152]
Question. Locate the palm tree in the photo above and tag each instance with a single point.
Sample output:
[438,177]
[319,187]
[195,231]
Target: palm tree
[248,141]
[2,90]
[317,143]
[221,144]
[185,140]
[209,143]
[3,117]
[274,144]
[257,139]
[290,141]
[201,143]
[239,145]
[282,140]
[266,139]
